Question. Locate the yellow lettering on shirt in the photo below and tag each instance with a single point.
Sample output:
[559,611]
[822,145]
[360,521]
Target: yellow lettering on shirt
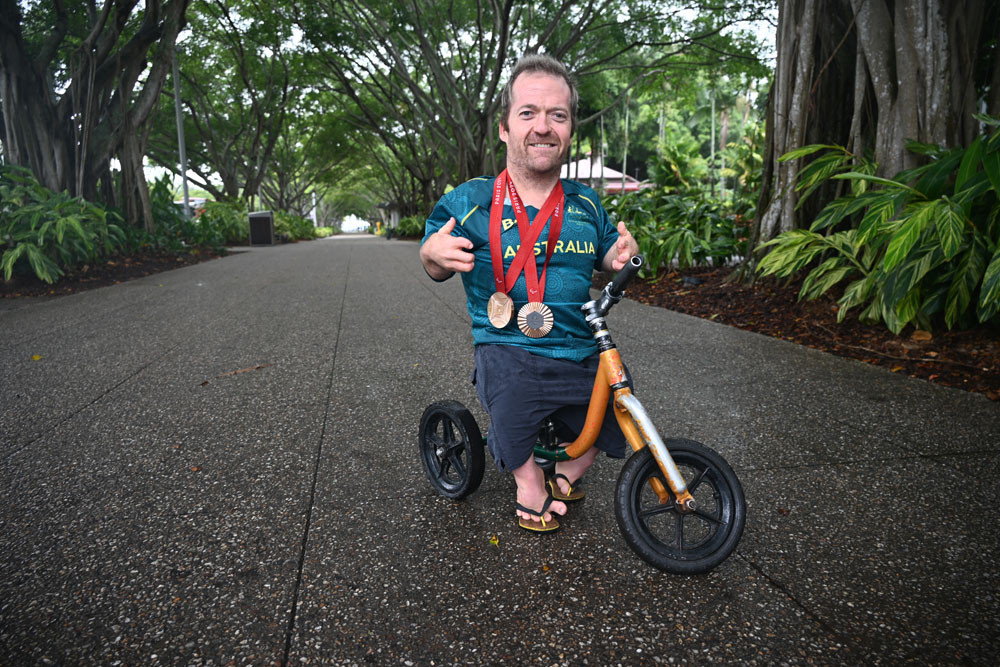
[510,252]
[507,223]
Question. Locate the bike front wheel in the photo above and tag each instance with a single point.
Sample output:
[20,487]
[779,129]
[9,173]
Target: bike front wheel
[664,536]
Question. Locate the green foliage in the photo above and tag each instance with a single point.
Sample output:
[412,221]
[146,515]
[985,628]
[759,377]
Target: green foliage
[922,247]
[682,231]
[218,225]
[323,232]
[293,227]
[46,232]
[412,226]
[229,221]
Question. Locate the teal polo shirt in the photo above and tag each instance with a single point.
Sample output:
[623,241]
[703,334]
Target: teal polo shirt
[586,236]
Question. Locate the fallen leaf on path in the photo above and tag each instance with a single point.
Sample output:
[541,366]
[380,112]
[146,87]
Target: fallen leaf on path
[36,357]
[245,370]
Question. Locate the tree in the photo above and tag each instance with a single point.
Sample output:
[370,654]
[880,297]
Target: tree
[77,85]
[903,70]
[311,153]
[425,76]
[236,70]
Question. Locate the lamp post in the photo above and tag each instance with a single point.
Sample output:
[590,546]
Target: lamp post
[180,135]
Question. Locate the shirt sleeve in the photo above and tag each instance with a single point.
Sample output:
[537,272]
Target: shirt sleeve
[443,211]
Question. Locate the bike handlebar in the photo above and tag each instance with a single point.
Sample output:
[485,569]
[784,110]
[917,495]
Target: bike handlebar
[613,291]
[625,276]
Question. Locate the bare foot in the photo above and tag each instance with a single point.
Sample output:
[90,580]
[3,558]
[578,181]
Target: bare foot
[531,492]
[574,469]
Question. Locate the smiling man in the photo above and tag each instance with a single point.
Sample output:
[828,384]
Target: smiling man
[527,244]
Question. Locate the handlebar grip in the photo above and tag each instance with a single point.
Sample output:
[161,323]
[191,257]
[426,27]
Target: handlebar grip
[625,276]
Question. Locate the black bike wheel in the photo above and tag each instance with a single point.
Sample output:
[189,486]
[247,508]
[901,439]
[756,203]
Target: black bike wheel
[671,540]
[451,449]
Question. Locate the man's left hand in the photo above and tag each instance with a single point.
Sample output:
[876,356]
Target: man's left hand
[622,252]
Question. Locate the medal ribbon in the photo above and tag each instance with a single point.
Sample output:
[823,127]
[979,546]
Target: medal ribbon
[529,233]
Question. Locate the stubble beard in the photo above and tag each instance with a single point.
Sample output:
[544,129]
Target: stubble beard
[528,169]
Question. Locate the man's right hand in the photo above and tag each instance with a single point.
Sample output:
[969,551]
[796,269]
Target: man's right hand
[442,254]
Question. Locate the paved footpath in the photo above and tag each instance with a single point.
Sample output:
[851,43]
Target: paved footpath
[218,465]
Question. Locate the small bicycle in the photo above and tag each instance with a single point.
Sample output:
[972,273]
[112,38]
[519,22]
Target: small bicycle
[679,505]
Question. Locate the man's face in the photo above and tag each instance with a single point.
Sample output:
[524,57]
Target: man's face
[539,126]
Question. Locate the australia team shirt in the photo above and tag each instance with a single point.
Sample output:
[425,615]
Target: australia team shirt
[586,237]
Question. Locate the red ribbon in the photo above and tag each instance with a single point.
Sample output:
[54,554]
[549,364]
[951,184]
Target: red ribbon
[529,233]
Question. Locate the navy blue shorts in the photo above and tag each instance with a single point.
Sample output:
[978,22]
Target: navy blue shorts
[519,390]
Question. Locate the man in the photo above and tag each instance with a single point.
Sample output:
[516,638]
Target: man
[527,243]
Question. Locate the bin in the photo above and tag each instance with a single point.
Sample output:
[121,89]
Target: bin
[262,228]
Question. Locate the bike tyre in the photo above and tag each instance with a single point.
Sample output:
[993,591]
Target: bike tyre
[451,449]
[656,532]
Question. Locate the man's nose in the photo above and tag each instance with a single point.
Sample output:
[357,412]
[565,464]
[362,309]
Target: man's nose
[541,124]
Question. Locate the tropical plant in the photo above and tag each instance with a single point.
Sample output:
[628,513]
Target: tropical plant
[672,230]
[228,220]
[411,226]
[293,227]
[47,232]
[921,247]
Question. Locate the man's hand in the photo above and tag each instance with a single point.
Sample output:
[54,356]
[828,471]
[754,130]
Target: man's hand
[622,252]
[442,254]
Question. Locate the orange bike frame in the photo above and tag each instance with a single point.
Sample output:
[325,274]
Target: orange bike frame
[611,373]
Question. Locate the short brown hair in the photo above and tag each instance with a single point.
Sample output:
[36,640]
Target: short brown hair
[536,62]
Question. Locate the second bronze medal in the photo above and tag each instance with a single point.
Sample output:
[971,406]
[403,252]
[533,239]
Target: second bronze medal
[535,319]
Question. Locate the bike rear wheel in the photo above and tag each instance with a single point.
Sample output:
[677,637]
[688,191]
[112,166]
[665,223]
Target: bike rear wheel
[451,449]
[667,538]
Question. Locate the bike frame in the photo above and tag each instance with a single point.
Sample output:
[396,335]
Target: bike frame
[632,418]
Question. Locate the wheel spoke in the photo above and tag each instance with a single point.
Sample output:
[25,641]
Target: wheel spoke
[448,434]
[455,459]
[679,532]
[711,518]
[646,511]
[696,482]
[652,509]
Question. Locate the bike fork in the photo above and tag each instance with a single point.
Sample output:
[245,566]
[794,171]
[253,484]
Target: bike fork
[640,432]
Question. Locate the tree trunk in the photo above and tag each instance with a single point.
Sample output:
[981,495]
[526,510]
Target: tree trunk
[906,70]
[67,120]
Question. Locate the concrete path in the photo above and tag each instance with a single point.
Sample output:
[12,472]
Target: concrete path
[218,465]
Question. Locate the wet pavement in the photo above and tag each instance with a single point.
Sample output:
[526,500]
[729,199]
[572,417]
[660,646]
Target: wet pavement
[218,465]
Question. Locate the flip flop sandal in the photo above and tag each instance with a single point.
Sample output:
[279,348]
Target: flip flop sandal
[538,525]
[574,493]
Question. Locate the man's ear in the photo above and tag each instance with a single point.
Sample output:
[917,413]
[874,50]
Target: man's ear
[503,132]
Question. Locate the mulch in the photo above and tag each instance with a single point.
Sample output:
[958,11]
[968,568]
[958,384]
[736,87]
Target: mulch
[967,360]
[108,271]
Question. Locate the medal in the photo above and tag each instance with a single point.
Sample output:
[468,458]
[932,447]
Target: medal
[499,309]
[535,319]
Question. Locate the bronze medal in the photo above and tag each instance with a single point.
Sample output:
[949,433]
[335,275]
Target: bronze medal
[535,319]
[499,309]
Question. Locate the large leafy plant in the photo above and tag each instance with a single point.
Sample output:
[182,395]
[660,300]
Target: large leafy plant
[922,247]
[215,226]
[228,223]
[293,227]
[46,232]
[674,230]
